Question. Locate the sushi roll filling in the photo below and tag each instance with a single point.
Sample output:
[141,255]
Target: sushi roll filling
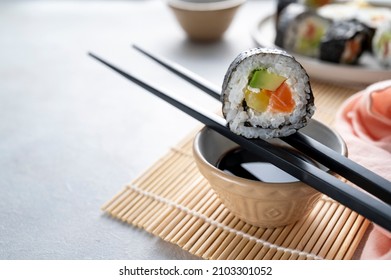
[352,49]
[309,36]
[384,44]
[268,92]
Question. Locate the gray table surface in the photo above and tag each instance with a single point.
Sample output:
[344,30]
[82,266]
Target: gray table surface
[73,133]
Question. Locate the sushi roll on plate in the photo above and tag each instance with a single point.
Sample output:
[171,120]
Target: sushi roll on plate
[266,93]
[300,29]
[381,44]
[344,42]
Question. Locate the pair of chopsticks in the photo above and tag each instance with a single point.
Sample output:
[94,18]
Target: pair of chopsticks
[374,203]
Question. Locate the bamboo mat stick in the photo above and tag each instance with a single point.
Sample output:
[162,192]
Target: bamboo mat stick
[182,226]
[218,237]
[207,238]
[173,222]
[125,209]
[157,169]
[326,235]
[352,231]
[255,247]
[267,252]
[199,226]
[259,248]
[189,228]
[273,239]
[152,219]
[121,197]
[176,215]
[161,215]
[146,209]
[320,235]
[192,242]
[147,214]
[220,253]
[344,223]
[106,207]
[249,244]
[242,242]
[293,238]
[309,225]
[281,240]
[359,235]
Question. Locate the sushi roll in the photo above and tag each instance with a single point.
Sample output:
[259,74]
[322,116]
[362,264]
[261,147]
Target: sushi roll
[374,18]
[381,44]
[344,42]
[266,93]
[300,30]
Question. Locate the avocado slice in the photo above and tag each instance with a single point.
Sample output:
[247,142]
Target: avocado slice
[265,80]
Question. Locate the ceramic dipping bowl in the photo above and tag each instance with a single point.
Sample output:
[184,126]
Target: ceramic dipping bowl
[264,203]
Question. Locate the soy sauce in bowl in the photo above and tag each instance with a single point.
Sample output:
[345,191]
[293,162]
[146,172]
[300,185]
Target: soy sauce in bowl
[243,163]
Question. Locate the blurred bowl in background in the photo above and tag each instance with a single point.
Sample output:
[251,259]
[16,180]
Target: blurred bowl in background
[204,20]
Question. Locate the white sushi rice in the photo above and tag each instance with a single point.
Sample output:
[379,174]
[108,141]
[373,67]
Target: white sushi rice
[268,124]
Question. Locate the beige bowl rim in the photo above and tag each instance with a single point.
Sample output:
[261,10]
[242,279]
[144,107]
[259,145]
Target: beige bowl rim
[199,156]
[213,5]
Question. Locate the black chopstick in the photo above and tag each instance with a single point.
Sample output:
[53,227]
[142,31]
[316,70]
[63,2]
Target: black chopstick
[367,206]
[355,173]
[184,73]
[350,170]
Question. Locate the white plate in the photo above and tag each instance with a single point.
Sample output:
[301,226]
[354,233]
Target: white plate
[368,70]
[383,3]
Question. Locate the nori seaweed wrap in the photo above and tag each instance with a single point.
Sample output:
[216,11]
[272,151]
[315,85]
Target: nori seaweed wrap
[344,42]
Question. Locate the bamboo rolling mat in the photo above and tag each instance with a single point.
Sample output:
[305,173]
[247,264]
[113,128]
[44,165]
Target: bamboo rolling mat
[172,200]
